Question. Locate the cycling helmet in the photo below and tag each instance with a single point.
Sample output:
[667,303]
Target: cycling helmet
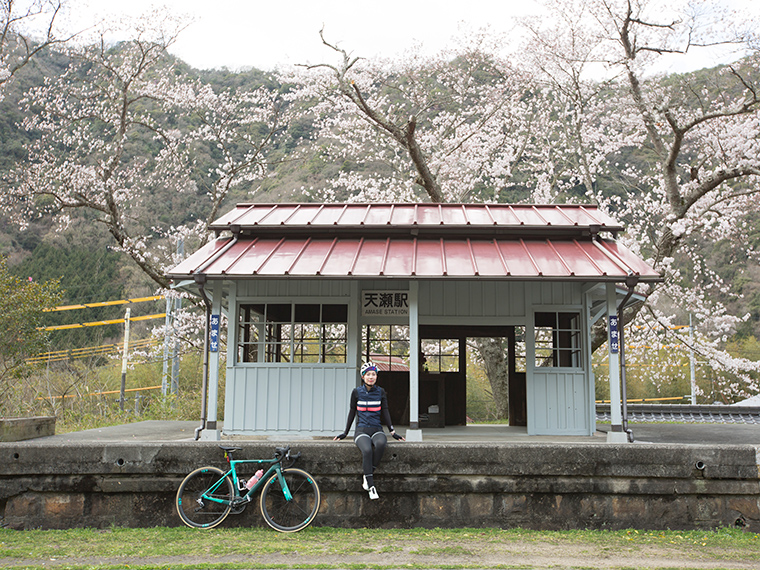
[367,366]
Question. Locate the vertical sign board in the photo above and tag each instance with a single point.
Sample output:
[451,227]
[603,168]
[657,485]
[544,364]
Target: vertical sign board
[614,337]
[385,303]
[213,341]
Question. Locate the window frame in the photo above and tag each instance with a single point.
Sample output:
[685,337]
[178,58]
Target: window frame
[285,340]
[565,348]
[396,344]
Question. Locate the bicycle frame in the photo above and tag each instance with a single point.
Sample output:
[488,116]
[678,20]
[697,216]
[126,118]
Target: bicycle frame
[275,466]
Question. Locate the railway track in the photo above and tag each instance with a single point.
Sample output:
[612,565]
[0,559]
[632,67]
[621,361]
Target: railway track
[685,413]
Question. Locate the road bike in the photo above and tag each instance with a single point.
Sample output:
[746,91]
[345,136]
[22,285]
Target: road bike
[289,501]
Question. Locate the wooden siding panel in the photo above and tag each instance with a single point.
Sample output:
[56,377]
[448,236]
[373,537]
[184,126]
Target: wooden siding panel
[560,403]
[461,298]
[278,288]
[472,299]
[272,399]
[514,299]
[554,293]
[490,302]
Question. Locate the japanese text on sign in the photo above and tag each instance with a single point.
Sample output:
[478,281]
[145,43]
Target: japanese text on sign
[385,303]
[614,337]
[213,335]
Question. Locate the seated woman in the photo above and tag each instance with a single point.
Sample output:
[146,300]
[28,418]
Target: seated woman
[370,404]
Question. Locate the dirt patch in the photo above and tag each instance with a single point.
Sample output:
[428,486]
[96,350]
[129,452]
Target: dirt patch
[406,553]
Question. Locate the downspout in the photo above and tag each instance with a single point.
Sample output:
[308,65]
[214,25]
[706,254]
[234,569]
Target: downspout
[630,282]
[200,280]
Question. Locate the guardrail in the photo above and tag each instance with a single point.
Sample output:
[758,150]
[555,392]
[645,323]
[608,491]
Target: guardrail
[685,413]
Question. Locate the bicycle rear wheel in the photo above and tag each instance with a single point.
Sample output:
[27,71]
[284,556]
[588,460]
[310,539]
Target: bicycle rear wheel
[195,503]
[296,514]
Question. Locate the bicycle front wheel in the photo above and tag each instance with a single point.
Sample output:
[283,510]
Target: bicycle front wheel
[298,512]
[204,498]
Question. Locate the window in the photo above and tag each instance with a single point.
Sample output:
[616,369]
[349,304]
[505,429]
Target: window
[521,351]
[298,333]
[558,340]
[440,355]
[387,345]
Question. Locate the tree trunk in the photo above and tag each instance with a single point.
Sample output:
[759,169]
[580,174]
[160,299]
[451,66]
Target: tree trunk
[493,352]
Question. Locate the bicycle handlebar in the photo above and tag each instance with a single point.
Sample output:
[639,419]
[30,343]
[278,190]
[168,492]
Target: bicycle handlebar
[283,454]
[280,453]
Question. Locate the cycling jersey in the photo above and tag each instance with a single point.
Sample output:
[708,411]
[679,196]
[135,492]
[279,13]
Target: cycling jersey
[371,407]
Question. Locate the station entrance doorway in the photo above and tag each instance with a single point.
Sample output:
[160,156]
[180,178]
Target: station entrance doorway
[443,397]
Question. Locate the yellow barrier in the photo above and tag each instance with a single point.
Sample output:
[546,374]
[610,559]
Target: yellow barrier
[106,303]
[644,400]
[100,323]
[98,393]
[74,353]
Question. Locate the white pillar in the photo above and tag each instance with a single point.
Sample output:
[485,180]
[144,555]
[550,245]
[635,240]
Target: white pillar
[212,431]
[414,433]
[167,337]
[692,373]
[616,433]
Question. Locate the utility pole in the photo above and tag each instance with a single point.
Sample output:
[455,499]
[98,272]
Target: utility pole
[124,360]
[175,313]
[167,336]
[691,362]
[172,310]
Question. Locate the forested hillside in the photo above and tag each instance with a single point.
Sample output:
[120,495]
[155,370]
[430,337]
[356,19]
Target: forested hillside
[78,255]
[112,155]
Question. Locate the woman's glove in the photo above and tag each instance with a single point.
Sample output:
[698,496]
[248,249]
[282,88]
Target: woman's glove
[397,436]
[339,436]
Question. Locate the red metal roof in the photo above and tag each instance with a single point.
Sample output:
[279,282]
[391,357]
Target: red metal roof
[589,259]
[425,215]
[468,241]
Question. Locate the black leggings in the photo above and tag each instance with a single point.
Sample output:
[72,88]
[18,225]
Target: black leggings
[371,442]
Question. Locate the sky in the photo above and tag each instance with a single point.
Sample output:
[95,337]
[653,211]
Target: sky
[264,34]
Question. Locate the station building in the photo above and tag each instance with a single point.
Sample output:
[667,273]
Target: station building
[309,291]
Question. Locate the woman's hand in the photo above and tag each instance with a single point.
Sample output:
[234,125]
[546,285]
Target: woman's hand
[339,437]
[397,436]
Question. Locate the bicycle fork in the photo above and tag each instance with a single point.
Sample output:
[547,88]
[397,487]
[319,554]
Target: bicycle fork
[284,486]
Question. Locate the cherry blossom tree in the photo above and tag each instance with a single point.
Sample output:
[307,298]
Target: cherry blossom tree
[123,128]
[18,41]
[686,145]
[238,130]
[444,128]
[86,120]
[128,141]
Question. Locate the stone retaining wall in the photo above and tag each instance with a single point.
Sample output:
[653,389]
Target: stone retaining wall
[539,486]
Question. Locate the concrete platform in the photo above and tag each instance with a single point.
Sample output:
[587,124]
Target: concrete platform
[678,476]
[162,431]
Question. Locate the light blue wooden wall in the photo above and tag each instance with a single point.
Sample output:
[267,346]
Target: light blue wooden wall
[271,399]
[265,400]
[277,399]
[560,400]
[471,299]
